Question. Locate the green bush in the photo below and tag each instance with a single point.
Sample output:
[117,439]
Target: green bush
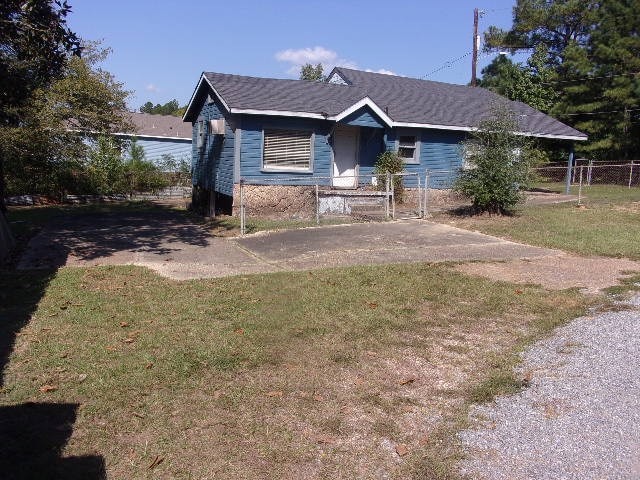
[497,164]
[390,162]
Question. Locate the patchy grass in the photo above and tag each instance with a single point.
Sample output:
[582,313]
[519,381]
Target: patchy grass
[317,374]
[230,225]
[608,225]
[628,285]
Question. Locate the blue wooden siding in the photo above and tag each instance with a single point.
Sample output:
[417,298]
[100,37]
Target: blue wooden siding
[155,149]
[439,153]
[212,166]
[363,117]
[251,168]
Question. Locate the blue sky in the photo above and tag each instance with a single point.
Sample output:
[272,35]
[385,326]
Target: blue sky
[160,47]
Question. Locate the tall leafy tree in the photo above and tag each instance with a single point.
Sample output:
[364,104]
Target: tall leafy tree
[34,45]
[530,83]
[172,107]
[314,73]
[46,151]
[594,52]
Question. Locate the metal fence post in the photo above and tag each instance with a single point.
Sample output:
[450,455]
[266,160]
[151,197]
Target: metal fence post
[386,201]
[419,197]
[242,218]
[425,203]
[393,197]
[630,173]
[580,187]
[317,205]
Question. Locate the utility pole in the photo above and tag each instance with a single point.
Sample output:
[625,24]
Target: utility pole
[476,43]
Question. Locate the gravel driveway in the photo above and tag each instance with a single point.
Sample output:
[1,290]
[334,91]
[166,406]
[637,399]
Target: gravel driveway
[580,416]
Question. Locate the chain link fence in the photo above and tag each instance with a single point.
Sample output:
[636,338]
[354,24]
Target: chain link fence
[323,199]
[591,182]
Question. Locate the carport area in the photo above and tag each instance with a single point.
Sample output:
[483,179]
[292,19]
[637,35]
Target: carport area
[175,246]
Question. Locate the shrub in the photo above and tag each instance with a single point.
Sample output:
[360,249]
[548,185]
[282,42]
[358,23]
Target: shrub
[390,162]
[497,164]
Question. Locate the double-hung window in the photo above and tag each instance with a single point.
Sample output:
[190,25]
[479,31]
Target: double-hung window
[287,150]
[408,148]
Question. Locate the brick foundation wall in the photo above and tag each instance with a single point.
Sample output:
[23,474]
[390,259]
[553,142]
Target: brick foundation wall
[276,201]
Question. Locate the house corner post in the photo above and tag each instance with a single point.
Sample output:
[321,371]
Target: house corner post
[569,169]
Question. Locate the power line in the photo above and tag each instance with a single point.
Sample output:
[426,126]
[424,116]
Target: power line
[600,113]
[592,78]
[448,64]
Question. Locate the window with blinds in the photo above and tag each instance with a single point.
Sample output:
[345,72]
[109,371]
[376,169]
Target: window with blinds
[287,149]
[408,148]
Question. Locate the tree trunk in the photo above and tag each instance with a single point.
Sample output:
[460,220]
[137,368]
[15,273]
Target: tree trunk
[6,239]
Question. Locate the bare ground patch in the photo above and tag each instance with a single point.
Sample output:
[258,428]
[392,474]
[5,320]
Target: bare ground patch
[591,274]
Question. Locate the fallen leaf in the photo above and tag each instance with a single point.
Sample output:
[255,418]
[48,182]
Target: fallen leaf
[111,348]
[373,305]
[129,340]
[519,292]
[239,331]
[325,439]
[318,398]
[371,353]
[64,355]
[149,365]
[304,395]
[136,414]
[124,324]
[82,377]
[275,393]
[407,381]
[53,314]
[157,461]
[402,449]
[48,388]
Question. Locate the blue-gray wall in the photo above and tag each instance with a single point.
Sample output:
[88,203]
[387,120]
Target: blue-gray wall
[251,150]
[156,148]
[212,165]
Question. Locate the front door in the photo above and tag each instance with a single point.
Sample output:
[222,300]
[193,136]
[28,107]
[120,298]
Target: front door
[345,156]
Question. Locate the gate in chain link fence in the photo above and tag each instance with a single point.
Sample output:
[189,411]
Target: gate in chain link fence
[319,199]
[593,182]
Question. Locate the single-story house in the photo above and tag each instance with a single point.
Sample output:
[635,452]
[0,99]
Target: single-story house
[160,135]
[295,132]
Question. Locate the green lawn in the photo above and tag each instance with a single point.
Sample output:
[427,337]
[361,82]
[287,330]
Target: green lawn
[323,374]
[608,224]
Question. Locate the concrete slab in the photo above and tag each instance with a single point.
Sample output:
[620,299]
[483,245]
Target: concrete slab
[174,246]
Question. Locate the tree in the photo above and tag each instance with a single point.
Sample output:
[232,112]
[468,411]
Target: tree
[34,43]
[312,73]
[530,83]
[497,164]
[172,107]
[46,152]
[594,52]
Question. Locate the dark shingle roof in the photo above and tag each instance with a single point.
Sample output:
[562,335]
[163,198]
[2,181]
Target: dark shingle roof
[256,93]
[159,125]
[406,100]
[422,101]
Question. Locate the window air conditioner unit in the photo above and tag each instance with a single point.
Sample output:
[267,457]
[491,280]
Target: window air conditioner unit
[216,127]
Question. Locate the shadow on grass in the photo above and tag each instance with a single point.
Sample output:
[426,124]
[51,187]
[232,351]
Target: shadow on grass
[33,435]
[467,211]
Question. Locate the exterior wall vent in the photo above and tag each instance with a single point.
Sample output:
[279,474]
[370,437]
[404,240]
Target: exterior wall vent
[216,127]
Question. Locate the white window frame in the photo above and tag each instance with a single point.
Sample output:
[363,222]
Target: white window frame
[288,168]
[415,160]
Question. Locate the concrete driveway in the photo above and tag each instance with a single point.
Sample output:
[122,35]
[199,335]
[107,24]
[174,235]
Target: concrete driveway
[171,244]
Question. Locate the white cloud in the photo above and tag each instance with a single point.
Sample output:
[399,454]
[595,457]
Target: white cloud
[152,88]
[381,70]
[301,56]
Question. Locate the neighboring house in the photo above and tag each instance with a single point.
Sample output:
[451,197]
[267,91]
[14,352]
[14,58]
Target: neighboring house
[296,132]
[160,135]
